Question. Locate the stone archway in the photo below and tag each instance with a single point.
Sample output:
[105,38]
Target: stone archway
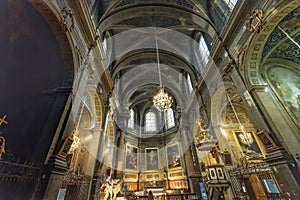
[271,47]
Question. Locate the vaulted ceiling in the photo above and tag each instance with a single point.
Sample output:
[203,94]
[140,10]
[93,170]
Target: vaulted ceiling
[131,29]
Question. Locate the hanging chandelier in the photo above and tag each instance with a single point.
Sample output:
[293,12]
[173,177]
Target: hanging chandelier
[161,100]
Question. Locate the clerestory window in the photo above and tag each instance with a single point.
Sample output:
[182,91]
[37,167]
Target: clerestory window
[131,120]
[150,122]
[170,118]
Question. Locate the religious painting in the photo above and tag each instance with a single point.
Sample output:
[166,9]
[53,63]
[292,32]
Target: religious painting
[152,158]
[173,156]
[248,145]
[131,157]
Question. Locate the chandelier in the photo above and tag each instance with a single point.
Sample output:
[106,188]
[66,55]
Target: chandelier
[161,100]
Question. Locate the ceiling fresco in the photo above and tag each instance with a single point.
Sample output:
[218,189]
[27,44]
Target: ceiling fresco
[278,45]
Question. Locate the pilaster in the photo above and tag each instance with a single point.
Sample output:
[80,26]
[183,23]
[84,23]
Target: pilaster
[52,178]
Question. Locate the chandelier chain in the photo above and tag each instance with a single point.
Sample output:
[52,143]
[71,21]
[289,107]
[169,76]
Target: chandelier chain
[157,57]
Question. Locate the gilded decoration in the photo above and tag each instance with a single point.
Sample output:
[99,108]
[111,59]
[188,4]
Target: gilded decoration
[204,140]
[270,42]
[255,21]
[2,139]
[290,24]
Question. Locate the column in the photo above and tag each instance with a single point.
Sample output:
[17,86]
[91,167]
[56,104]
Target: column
[193,177]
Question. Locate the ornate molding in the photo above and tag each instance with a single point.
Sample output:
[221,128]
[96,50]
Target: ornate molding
[67,19]
[255,21]
[229,67]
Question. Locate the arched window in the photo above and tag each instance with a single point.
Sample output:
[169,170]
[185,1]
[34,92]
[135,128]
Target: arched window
[189,82]
[170,118]
[150,122]
[131,120]
[230,4]
[204,52]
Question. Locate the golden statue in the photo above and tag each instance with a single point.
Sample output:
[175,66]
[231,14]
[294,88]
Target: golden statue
[107,188]
[111,188]
[202,133]
[116,187]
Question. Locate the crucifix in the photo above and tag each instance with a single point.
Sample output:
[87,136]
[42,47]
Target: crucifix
[2,120]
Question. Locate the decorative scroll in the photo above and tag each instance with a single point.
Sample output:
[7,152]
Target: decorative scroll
[67,19]
[255,21]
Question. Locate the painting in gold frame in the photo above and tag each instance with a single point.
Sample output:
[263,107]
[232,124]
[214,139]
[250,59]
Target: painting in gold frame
[248,145]
[173,156]
[131,157]
[152,158]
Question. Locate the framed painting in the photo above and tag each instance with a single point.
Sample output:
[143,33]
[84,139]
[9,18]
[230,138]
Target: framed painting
[248,145]
[173,156]
[131,157]
[151,158]
[266,139]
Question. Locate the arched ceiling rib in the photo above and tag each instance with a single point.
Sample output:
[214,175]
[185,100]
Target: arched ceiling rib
[188,19]
[148,56]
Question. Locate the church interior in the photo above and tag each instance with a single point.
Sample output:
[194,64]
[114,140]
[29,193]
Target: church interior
[117,99]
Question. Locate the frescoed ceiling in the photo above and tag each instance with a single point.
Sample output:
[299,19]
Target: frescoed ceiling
[279,45]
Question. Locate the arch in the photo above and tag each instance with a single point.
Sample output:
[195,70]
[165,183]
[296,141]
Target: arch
[162,9]
[52,16]
[254,55]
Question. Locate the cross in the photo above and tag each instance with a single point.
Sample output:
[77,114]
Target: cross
[2,120]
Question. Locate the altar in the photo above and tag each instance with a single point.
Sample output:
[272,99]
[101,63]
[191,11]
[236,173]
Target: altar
[159,192]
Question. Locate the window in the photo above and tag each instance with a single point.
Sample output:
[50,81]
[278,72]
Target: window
[204,52]
[150,122]
[230,3]
[190,87]
[223,10]
[131,120]
[170,118]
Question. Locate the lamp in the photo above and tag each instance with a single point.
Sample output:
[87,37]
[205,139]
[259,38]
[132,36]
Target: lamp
[161,100]
[246,137]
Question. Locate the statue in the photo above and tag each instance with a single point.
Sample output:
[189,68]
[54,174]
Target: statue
[204,140]
[203,133]
[116,187]
[111,189]
[107,187]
